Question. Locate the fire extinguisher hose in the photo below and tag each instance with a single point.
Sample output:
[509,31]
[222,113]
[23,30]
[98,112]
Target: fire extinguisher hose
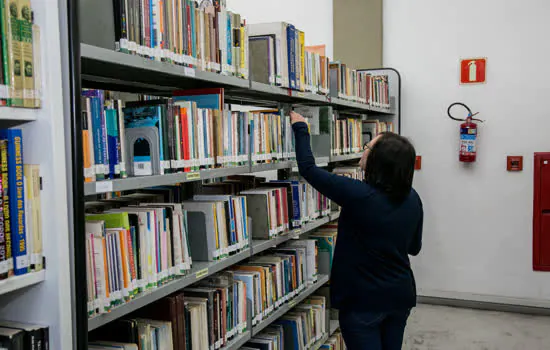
[470,114]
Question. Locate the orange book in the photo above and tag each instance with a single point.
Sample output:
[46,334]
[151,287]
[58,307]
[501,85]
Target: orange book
[263,285]
[318,49]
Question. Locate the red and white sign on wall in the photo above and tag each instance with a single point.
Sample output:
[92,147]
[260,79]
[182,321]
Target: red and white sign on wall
[472,70]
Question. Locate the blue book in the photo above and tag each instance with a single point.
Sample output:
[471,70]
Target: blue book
[99,132]
[245,216]
[113,142]
[291,49]
[16,192]
[193,29]
[291,336]
[296,202]
[229,36]
[206,101]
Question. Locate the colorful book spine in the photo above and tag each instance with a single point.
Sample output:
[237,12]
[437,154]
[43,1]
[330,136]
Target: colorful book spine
[291,44]
[10,19]
[4,263]
[6,203]
[113,142]
[17,198]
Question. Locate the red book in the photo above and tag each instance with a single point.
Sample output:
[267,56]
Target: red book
[285,207]
[184,136]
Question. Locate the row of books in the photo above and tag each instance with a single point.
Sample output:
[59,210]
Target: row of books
[205,316]
[199,34]
[20,81]
[326,237]
[212,312]
[359,86]
[373,128]
[275,206]
[347,135]
[23,336]
[20,210]
[279,57]
[334,342]
[353,172]
[298,329]
[278,276]
[140,241]
[191,131]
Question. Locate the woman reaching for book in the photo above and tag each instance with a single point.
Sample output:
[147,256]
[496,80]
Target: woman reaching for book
[380,225]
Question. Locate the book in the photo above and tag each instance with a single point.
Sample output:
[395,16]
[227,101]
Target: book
[13,59]
[16,193]
[326,242]
[34,215]
[27,55]
[6,205]
[279,31]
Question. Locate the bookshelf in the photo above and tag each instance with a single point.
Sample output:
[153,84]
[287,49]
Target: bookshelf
[97,65]
[20,282]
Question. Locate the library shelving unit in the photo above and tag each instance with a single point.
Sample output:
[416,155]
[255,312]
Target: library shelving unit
[95,64]
[44,297]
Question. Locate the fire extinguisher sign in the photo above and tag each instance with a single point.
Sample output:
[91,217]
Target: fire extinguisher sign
[472,70]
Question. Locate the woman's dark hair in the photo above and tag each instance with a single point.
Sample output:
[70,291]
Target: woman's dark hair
[390,166]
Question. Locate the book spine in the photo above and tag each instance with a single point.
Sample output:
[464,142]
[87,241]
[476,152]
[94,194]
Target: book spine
[87,159]
[11,18]
[122,154]
[4,264]
[17,199]
[291,59]
[97,133]
[113,142]
[4,56]
[27,57]
[6,204]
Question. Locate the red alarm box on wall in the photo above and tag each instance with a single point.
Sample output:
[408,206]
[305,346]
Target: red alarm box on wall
[541,213]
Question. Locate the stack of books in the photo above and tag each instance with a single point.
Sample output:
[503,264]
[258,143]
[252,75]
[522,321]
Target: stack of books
[299,328]
[208,36]
[21,249]
[347,135]
[373,128]
[20,80]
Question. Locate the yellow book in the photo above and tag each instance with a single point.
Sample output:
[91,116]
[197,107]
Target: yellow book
[34,218]
[244,59]
[302,60]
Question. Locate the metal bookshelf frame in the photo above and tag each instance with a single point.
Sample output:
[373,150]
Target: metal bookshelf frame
[97,67]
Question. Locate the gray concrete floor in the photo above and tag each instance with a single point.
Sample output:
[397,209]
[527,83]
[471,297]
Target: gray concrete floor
[444,328]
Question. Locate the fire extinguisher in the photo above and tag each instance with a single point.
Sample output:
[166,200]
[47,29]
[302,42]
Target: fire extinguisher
[468,134]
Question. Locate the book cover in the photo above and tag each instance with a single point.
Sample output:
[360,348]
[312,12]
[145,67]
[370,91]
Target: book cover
[16,194]
[291,42]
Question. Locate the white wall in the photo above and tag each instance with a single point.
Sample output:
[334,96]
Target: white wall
[478,219]
[314,17]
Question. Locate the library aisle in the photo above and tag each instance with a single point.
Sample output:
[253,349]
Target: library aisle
[151,195]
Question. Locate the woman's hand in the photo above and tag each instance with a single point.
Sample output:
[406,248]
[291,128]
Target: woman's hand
[296,118]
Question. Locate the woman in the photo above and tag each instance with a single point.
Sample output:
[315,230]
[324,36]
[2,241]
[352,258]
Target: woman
[372,283]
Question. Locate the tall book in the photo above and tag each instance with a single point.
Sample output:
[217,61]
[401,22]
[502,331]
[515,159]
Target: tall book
[34,216]
[17,198]
[13,59]
[6,204]
[27,57]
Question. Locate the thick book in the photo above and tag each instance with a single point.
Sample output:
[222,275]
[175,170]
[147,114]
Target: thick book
[16,194]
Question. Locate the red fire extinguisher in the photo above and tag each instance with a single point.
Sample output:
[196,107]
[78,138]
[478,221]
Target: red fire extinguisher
[468,134]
